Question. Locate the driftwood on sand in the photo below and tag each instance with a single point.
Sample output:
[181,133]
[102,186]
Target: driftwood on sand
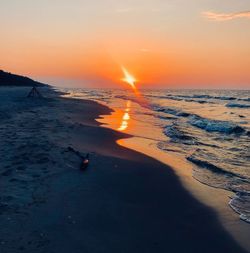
[84,159]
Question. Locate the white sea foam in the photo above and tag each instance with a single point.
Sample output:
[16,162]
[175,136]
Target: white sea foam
[215,125]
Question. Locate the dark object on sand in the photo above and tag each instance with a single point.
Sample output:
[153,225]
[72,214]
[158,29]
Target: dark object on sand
[85,162]
[85,159]
[34,93]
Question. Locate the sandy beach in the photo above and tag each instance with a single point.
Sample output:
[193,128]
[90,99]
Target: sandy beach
[124,202]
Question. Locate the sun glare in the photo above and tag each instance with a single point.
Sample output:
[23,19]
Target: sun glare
[128,78]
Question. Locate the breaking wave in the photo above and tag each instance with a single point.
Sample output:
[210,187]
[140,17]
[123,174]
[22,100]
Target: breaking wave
[178,135]
[216,125]
[240,203]
[215,176]
[234,105]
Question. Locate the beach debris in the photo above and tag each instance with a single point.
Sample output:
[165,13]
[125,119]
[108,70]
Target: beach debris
[85,159]
[34,93]
[85,162]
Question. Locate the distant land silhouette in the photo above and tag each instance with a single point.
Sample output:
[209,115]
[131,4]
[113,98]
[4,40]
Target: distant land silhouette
[8,79]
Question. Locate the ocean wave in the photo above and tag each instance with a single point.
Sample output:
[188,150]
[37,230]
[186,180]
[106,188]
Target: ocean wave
[224,98]
[196,98]
[189,99]
[213,168]
[209,125]
[167,117]
[244,99]
[204,97]
[184,98]
[166,110]
[171,111]
[235,105]
[201,98]
[240,203]
[165,146]
[215,176]
[207,97]
[177,135]
[156,96]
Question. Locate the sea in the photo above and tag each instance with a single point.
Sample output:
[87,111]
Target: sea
[209,128]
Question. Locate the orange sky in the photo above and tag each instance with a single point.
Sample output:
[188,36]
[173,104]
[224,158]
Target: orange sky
[166,44]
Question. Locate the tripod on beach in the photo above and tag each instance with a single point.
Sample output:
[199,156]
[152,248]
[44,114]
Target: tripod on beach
[34,93]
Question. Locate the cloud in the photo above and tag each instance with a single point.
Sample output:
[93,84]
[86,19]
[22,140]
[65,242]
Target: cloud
[226,16]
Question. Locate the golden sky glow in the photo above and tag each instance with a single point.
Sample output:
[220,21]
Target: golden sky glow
[164,44]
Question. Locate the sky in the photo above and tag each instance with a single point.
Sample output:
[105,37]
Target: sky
[163,43]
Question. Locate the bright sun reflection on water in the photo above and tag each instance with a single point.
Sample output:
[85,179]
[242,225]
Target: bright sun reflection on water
[126,117]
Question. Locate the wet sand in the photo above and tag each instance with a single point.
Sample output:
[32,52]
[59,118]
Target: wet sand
[124,202]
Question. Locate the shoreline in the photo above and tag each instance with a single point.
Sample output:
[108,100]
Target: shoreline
[214,197]
[124,202]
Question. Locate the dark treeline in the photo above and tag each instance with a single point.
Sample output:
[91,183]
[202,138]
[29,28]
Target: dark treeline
[8,79]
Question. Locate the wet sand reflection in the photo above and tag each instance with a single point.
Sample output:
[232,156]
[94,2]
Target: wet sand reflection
[126,117]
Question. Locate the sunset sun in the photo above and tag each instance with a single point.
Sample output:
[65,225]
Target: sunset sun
[129,78]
